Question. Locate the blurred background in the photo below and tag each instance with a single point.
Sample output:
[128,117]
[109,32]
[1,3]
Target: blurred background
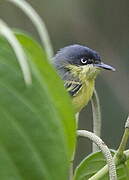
[101,25]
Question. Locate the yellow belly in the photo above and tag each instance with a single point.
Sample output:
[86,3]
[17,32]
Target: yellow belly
[83,96]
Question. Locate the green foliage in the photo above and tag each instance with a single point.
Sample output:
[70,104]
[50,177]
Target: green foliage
[37,126]
[37,123]
[93,163]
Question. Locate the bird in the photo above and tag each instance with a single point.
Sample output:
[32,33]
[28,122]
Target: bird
[78,67]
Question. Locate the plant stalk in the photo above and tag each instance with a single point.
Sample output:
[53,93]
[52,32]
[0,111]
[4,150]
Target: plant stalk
[124,140]
[96,118]
[105,151]
[72,160]
[120,156]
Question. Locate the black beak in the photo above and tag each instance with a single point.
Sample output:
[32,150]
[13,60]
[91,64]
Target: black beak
[104,66]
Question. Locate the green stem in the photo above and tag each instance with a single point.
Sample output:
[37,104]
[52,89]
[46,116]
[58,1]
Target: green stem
[96,118]
[126,154]
[72,160]
[104,170]
[124,140]
[120,157]
[71,167]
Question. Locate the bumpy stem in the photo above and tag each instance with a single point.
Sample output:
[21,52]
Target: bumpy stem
[105,151]
[120,156]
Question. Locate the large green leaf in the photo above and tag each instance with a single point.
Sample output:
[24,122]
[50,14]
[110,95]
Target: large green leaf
[37,126]
[93,163]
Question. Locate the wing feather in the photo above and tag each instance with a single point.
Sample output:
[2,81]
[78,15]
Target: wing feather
[73,87]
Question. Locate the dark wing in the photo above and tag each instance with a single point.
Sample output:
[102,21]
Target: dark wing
[73,87]
[71,83]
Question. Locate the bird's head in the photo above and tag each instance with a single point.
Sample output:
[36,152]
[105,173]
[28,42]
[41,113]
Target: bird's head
[80,61]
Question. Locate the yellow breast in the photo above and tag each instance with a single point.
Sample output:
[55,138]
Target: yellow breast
[84,95]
